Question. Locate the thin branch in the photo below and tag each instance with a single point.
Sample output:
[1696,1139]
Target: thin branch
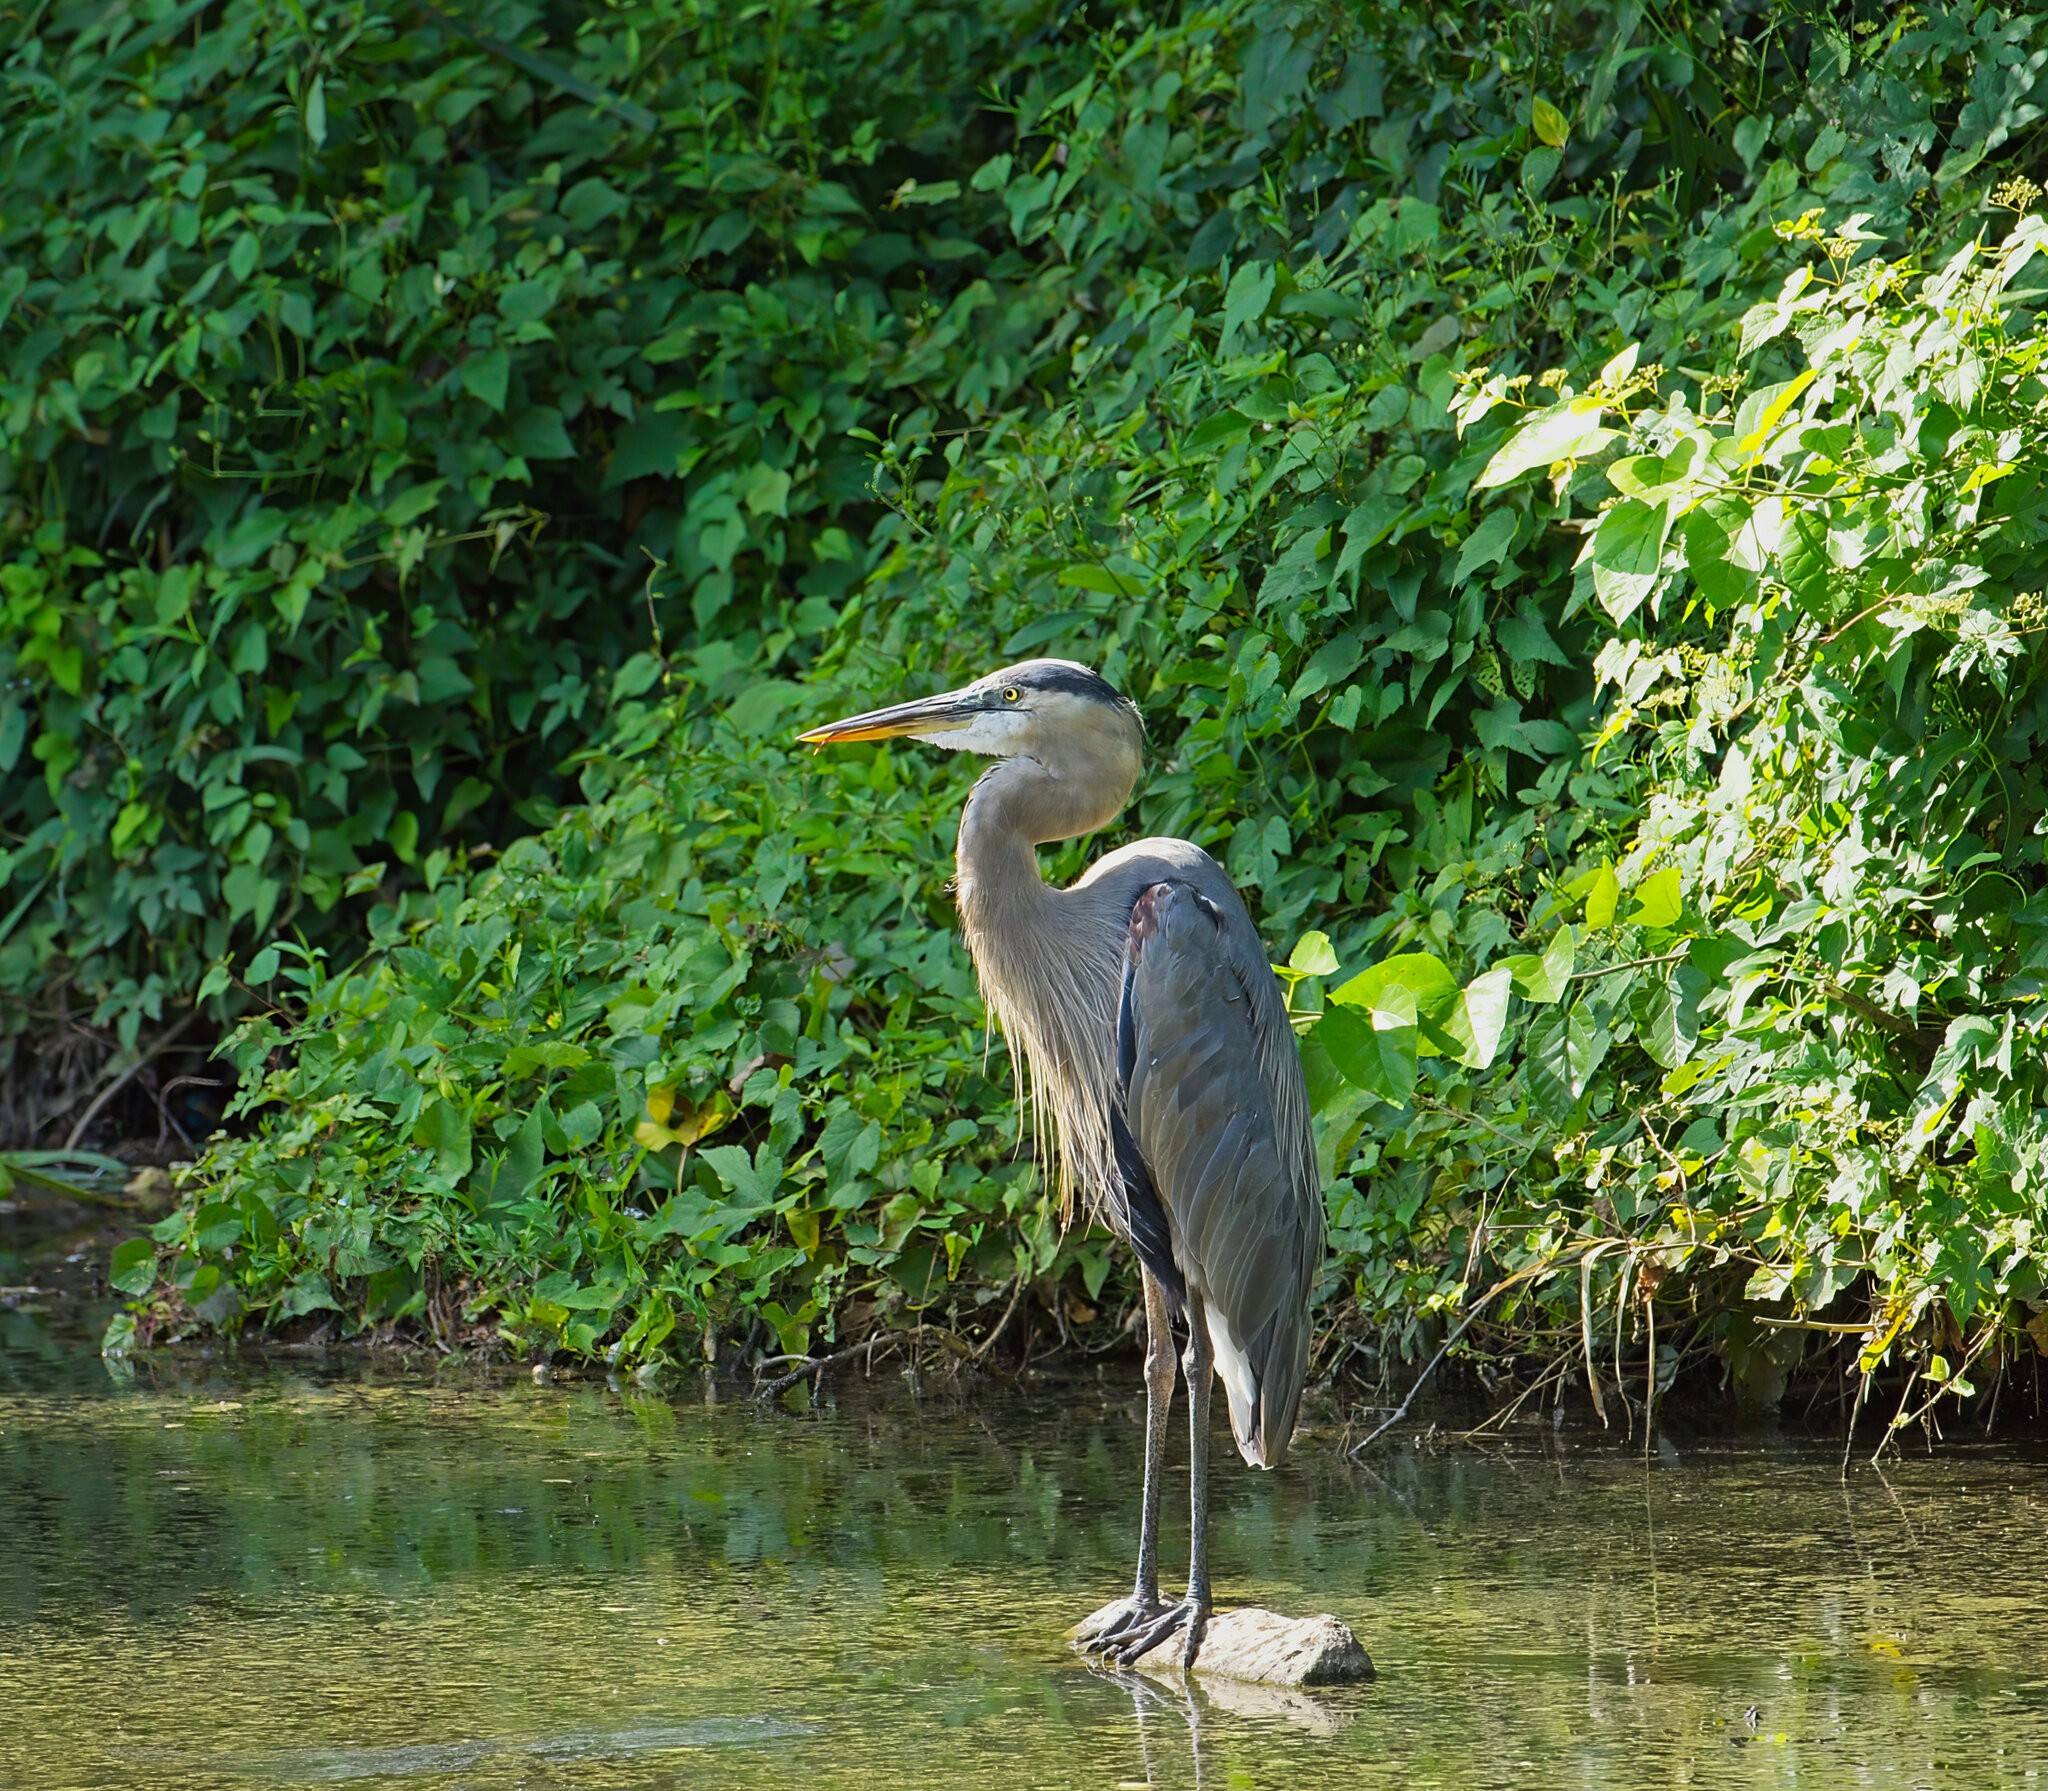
[1002,1324]
[162,1044]
[1586,1332]
[1669,957]
[1470,1318]
[812,1365]
[1895,1024]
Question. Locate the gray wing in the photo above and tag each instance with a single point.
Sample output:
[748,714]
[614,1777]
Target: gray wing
[1217,1114]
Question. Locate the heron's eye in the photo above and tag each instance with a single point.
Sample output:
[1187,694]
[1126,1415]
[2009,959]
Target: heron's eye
[1011,695]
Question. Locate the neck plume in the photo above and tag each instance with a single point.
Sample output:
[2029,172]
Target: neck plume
[1050,960]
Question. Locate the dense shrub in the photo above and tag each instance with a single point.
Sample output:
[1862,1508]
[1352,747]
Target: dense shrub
[1805,1044]
[353,368]
[1258,259]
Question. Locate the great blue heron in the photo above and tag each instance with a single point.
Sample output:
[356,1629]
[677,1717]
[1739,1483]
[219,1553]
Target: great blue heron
[1161,1068]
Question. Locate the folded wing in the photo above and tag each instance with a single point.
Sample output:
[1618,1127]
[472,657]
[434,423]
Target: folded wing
[1215,1144]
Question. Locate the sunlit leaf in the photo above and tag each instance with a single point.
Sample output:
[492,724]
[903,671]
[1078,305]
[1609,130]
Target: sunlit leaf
[1568,431]
[1660,899]
[1545,979]
[1480,1017]
[1313,956]
[1627,553]
[132,1268]
[1603,896]
[1374,1048]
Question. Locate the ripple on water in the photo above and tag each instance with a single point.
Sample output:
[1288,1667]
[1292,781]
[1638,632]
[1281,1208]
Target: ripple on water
[289,1580]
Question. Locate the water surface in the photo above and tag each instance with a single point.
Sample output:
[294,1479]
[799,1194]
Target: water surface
[265,1576]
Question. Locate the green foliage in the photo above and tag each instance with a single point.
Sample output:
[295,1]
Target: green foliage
[1215,420]
[691,1050]
[351,370]
[1811,1046]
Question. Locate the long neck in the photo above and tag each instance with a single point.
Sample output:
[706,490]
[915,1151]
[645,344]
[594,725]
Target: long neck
[1049,960]
[1016,806]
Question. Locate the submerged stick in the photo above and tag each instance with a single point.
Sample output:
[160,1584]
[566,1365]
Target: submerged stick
[1650,1371]
[1401,1410]
[1586,1333]
[812,1365]
[158,1047]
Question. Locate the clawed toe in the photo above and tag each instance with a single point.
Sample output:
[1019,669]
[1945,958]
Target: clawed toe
[1133,1616]
[1185,1615]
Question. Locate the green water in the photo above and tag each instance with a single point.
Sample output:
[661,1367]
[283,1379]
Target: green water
[259,1577]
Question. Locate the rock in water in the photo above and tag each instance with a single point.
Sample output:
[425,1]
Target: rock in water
[1258,1646]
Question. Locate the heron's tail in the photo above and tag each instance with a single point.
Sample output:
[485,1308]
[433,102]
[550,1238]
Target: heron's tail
[1262,1380]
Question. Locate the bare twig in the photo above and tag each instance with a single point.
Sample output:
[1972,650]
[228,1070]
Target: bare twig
[1586,1333]
[812,1365]
[1002,1324]
[1401,1411]
[1586,976]
[167,1122]
[1883,1018]
[162,1043]
[877,1340]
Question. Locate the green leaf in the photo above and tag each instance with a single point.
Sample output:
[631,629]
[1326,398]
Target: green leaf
[316,111]
[1564,1051]
[1421,974]
[1313,956]
[13,732]
[1100,578]
[544,1055]
[487,375]
[753,1181]
[1539,169]
[132,1269]
[636,677]
[134,819]
[1603,896]
[1374,1048]
[1549,123]
[444,1127]
[1660,899]
[1480,1017]
[216,1226]
[521,1165]
[1666,1013]
[1545,979]
[1568,431]
[1215,433]
[849,1145]
[1251,290]
[1628,550]
[1487,545]
[1762,411]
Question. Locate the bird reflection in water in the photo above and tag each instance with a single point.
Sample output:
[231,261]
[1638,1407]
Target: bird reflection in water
[1164,1709]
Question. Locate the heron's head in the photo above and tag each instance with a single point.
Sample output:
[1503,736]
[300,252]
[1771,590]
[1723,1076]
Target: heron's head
[1071,737]
[1046,709]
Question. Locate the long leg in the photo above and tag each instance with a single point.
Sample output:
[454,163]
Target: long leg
[1197,1364]
[1191,1614]
[1143,1607]
[1158,1411]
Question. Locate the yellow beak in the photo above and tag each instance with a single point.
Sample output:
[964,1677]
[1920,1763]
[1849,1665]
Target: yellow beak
[944,714]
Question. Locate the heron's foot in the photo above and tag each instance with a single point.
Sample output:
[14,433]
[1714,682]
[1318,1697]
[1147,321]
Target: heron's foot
[1190,1615]
[1125,1621]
